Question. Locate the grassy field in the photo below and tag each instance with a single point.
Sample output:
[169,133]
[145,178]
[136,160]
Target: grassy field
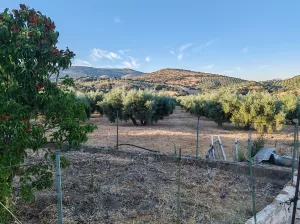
[179,130]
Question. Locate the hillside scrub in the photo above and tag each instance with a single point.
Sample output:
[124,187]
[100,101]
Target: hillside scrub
[141,106]
[266,112]
[33,110]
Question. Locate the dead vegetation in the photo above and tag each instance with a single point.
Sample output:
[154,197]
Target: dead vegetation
[101,188]
[179,131]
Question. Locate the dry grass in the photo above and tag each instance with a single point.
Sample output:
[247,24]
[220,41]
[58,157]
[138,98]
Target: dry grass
[179,130]
[101,188]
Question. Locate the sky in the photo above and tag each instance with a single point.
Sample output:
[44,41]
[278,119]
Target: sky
[255,40]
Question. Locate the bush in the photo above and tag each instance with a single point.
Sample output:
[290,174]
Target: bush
[241,156]
[257,144]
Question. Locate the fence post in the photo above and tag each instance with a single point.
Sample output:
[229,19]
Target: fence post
[298,178]
[251,175]
[297,137]
[236,149]
[178,190]
[294,151]
[117,129]
[58,183]
[197,144]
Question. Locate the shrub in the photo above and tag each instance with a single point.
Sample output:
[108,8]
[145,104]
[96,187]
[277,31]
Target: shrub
[257,144]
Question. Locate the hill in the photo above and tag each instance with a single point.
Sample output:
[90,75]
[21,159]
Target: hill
[193,80]
[178,81]
[284,84]
[81,71]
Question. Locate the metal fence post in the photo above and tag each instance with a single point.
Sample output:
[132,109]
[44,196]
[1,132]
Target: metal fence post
[58,183]
[197,144]
[178,190]
[236,149]
[117,129]
[294,151]
[251,175]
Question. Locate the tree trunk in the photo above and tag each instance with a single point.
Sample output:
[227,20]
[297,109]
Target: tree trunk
[247,126]
[133,120]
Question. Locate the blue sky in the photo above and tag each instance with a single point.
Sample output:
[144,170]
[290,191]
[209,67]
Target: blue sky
[257,39]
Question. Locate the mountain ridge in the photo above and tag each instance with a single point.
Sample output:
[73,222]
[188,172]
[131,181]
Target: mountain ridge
[81,71]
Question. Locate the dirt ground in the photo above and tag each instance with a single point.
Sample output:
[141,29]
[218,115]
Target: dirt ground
[179,131]
[101,188]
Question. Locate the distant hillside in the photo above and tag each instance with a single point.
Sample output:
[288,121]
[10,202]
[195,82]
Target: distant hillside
[175,80]
[284,84]
[81,71]
[190,79]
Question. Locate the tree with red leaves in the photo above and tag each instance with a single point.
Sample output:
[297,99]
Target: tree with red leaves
[33,110]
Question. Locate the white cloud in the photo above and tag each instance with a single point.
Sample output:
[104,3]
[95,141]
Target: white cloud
[117,19]
[209,66]
[179,57]
[131,64]
[148,59]
[263,66]
[123,51]
[172,52]
[238,68]
[245,50]
[205,45]
[103,54]
[78,62]
[183,47]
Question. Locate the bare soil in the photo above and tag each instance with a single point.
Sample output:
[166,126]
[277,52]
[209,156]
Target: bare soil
[179,131]
[101,188]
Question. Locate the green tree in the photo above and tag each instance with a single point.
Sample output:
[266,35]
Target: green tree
[94,97]
[263,110]
[164,106]
[291,105]
[33,110]
[113,102]
[141,106]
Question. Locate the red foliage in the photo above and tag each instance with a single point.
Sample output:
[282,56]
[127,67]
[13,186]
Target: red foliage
[55,52]
[4,117]
[19,43]
[28,128]
[1,17]
[49,25]
[15,28]
[40,86]
[33,19]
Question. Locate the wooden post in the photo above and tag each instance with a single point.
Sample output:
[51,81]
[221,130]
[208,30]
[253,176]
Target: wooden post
[58,183]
